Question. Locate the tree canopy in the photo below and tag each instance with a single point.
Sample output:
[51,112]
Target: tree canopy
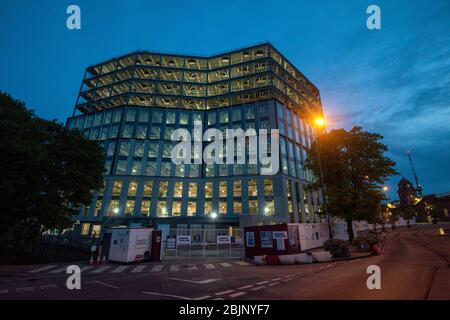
[354,169]
[48,171]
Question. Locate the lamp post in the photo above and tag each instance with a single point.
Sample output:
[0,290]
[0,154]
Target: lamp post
[320,123]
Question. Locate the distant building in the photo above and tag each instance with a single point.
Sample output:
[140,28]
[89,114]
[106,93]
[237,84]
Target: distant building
[406,193]
[434,206]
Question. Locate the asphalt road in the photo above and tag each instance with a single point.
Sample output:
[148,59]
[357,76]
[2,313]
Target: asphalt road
[414,265]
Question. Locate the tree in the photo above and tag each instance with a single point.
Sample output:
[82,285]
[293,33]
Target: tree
[48,172]
[408,213]
[354,168]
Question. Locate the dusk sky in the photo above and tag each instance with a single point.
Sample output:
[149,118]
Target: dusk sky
[394,81]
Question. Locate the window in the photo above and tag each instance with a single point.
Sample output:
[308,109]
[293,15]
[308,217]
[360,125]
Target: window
[208,207]
[222,207]
[132,187]
[157,116]
[145,208]
[144,115]
[268,187]
[98,206]
[165,169]
[208,190]
[136,167]
[170,117]
[155,133]
[127,131]
[237,188]
[129,207]
[124,148]
[178,189]
[150,169]
[253,207]
[85,229]
[138,149]
[176,208]
[222,189]
[161,210]
[269,208]
[237,207]
[163,189]
[252,191]
[113,209]
[192,208]
[117,187]
[141,132]
[148,186]
[131,115]
[96,228]
[192,189]
[111,148]
[153,149]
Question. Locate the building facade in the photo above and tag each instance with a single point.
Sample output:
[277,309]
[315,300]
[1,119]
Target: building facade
[132,104]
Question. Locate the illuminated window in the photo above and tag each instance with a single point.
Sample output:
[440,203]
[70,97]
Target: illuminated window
[117,187]
[208,190]
[237,207]
[288,188]
[132,187]
[237,188]
[145,208]
[192,208]
[136,167]
[129,207]
[222,207]
[253,207]
[138,149]
[148,186]
[208,207]
[252,189]
[178,189]
[98,206]
[113,209]
[192,189]
[161,210]
[85,229]
[96,230]
[222,189]
[163,189]
[176,208]
[268,187]
[269,208]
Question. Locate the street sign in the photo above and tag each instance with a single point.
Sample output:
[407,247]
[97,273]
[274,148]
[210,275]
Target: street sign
[223,239]
[183,240]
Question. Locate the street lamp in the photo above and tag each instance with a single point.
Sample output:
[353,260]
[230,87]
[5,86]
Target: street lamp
[320,122]
[214,215]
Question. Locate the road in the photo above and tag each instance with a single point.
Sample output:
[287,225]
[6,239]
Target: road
[414,265]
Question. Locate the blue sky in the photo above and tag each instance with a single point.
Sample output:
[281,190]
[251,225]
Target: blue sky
[394,81]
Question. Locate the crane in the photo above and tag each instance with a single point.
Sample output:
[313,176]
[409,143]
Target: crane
[418,186]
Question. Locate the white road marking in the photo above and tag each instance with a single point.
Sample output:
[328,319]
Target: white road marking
[330,265]
[191,267]
[286,280]
[48,286]
[166,295]
[242,263]
[262,282]
[257,288]
[218,299]
[174,267]
[45,268]
[276,279]
[274,284]
[195,281]
[209,266]
[85,268]
[4,291]
[223,292]
[138,269]
[59,270]
[157,268]
[202,298]
[246,287]
[119,269]
[237,294]
[101,269]
[24,289]
[225,264]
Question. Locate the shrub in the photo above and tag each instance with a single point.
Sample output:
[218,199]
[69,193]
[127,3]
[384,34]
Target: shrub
[365,243]
[338,248]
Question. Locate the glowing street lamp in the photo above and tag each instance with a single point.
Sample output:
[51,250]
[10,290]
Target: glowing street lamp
[214,215]
[385,188]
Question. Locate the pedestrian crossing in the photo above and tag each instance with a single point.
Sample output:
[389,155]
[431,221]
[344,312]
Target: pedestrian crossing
[150,268]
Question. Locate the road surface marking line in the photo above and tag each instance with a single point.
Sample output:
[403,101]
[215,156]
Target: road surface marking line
[138,269]
[45,268]
[166,295]
[174,267]
[85,268]
[242,263]
[59,270]
[24,289]
[262,282]
[209,266]
[202,298]
[218,299]
[274,284]
[48,286]
[101,269]
[276,279]
[223,292]
[4,291]
[195,281]
[119,269]
[225,264]
[157,268]
[237,294]
[285,280]
[257,288]
[246,287]
[330,265]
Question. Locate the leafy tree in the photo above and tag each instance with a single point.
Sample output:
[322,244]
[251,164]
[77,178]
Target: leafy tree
[354,168]
[408,213]
[48,171]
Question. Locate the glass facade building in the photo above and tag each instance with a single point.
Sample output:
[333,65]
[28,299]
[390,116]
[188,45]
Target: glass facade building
[132,104]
